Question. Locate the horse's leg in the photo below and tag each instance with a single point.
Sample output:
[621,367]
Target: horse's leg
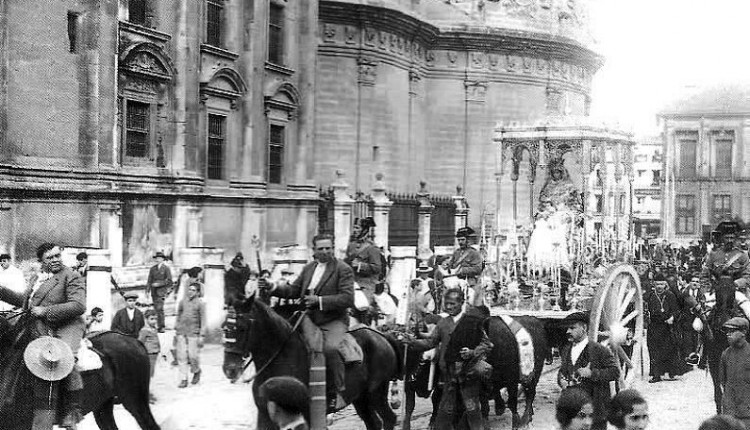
[141,411]
[408,407]
[499,401]
[437,393]
[513,404]
[104,416]
[362,406]
[379,403]
[529,394]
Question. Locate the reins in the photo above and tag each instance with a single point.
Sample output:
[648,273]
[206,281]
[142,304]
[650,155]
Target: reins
[275,354]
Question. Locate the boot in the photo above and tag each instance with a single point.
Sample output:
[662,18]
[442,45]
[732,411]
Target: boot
[73,416]
[196,377]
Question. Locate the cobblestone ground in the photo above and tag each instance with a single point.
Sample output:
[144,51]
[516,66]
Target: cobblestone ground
[217,404]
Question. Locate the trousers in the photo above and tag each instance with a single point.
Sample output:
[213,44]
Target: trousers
[333,335]
[466,394]
[188,355]
[157,296]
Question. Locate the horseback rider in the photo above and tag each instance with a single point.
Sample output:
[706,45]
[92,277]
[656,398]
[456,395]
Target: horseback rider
[363,256]
[326,288]
[467,263]
[56,297]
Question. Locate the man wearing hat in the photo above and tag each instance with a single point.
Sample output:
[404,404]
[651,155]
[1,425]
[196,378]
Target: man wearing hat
[364,257]
[57,300]
[589,365]
[663,310]
[159,285]
[129,320]
[286,399]
[733,371]
[466,263]
[235,279]
[421,300]
[726,263]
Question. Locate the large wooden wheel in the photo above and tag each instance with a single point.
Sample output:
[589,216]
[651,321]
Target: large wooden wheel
[616,320]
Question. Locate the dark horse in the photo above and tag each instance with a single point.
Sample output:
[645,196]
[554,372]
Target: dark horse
[277,349]
[124,375]
[506,373]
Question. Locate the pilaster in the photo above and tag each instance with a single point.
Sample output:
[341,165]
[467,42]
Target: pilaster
[342,214]
[461,216]
[381,211]
[425,215]
[213,294]
[111,233]
[98,286]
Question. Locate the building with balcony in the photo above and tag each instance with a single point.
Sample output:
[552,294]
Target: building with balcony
[706,140]
[647,182]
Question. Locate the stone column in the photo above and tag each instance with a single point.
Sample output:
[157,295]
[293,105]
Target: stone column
[7,230]
[98,286]
[179,231]
[213,296]
[253,232]
[461,216]
[381,210]
[111,235]
[425,216]
[403,270]
[194,226]
[342,214]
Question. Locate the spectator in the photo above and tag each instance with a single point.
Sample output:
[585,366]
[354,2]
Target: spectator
[128,320]
[628,411]
[287,400]
[190,329]
[83,264]
[149,337]
[387,305]
[194,276]
[733,371]
[11,277]
[235,279]
[95,322]
[722,422]
[574,409]
[158,286]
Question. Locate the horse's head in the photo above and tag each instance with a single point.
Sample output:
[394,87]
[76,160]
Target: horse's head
[251,326]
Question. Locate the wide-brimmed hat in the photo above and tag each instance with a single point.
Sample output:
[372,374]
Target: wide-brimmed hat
[49,358]
[365,223]
[576,317]
[160,254]
[424,268]
[737,323]
[465,232]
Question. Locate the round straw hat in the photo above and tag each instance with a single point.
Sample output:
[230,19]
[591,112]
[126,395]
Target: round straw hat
[49,358]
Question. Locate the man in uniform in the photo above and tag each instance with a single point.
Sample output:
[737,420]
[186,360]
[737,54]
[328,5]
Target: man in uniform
[588,365]
[462,344]
[466,263]
[734,373]
[57,299]
[159,285]
[363,256]
[326,287]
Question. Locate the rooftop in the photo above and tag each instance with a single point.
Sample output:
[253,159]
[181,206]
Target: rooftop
[713,100]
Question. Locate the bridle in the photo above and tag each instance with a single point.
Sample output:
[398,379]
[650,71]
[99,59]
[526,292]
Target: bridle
[246,361]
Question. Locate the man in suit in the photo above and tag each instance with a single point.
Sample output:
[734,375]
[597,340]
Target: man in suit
[129,320]
[466,263]
[692,297]
[286,398]
[326,287]
[589,365]
[159,285]
[56,297]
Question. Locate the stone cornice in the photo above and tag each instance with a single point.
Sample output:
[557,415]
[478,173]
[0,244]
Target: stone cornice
[353,17]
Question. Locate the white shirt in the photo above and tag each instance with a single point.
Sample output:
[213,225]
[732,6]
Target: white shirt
[131,313]
[294,424]
[316,276]
[458,317]
[12,279]
[577,349]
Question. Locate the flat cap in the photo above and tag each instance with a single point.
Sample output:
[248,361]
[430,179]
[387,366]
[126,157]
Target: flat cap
[287,392]
[130,295]
[576,317]
[737,323]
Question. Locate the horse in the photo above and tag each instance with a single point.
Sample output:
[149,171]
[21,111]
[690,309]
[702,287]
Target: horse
[278,349]
[506,373]
[124,377]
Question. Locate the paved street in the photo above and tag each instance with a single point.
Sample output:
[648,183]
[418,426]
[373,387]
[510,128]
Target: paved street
[215,403]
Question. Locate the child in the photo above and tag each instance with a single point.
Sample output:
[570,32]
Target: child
[149,337]
[95,322]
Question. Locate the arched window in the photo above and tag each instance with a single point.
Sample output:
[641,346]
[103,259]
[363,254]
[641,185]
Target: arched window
[220,98]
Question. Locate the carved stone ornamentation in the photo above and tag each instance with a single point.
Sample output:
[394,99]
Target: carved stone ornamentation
[329,32]
[430,58]
[371,36]
[476,91]
[494,60]
[477,60]
[414,82]
[367,71]
[452,58]
[350,34]
[511,63]
[141,85]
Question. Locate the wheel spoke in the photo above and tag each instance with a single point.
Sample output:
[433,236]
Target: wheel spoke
[629,318]
[623,305]
[623,356]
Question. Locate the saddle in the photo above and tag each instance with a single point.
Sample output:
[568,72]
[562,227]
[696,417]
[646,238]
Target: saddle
[349,349]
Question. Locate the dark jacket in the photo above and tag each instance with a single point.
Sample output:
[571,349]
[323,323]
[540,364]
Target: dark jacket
[369,265]
[734,374]
[64,297]
[336,288]
[122,324]
[159,280]
[603,370]
[467,264]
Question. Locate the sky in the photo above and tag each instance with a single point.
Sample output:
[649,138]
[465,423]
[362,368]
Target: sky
[657,51]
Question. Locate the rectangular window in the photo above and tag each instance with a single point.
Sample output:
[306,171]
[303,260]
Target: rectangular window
[687,158]
[599,204]
[72,31]
[216,146]
[640,200]
[275,153]
[276,34]
[722,207]
[137,129]
[723,158]
[656,178]
[622,204]
[685,214]
[137,12]
[640,173]
[213,23]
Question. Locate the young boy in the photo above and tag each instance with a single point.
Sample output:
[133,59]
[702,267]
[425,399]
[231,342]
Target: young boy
[95,322]
[149,337]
